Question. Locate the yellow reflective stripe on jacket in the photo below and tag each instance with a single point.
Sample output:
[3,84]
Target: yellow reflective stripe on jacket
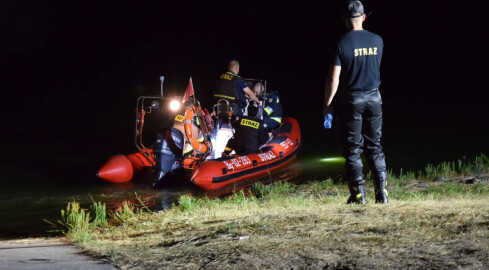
[268,110]
[278,119]
[224,96]
[188,148]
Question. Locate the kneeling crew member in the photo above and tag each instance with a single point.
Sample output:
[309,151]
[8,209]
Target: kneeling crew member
[233,88]
[272,112]
[249,135]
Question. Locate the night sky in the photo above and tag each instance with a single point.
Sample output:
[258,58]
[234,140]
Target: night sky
[71,73]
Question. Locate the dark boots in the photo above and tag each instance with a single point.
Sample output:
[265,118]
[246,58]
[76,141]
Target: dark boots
[357,192]
[381,195]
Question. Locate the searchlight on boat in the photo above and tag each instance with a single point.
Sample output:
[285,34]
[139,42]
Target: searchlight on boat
[175,105]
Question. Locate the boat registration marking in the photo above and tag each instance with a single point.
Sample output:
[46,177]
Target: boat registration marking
[237,162]
[285,144]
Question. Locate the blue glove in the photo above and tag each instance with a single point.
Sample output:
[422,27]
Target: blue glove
[328,121]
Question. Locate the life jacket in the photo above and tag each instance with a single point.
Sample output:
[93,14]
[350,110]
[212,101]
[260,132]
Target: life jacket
[273,107]
[227,88]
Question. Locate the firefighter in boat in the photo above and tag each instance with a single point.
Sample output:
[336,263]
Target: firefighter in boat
[249,134]
[234,89]
[272,112]
[183,139]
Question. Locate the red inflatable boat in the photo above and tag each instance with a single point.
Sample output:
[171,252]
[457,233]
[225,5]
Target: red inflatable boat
[235,171]
[167,153]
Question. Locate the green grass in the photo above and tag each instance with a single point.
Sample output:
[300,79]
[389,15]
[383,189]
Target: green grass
[428,212]
[461,167]
[77,223]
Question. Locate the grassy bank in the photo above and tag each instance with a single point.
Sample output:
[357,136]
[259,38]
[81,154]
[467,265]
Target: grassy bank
[437,219]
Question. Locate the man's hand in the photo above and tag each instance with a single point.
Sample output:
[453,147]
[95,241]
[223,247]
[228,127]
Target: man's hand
[327,109]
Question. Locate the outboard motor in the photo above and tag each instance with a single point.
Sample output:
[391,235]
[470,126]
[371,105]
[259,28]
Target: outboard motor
[167,150]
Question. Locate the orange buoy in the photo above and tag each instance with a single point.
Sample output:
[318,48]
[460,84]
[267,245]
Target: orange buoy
[118,169]
[121,169]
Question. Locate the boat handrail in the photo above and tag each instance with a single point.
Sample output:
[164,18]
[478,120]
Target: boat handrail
[141,112]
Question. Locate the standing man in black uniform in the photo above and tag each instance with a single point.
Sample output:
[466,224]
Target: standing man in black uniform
[233,88]
[355,70]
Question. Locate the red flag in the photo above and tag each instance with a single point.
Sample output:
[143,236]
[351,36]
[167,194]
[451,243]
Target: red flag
[189,92]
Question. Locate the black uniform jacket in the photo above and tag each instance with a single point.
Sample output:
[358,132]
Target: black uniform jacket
[249,135]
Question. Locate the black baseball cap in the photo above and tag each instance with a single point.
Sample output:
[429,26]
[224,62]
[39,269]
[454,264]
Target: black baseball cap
[354,9]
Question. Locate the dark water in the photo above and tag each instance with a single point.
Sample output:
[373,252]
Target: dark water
[40,182]
[25,205]
[23,208]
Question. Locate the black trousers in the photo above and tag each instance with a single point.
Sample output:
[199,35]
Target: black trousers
[360,126]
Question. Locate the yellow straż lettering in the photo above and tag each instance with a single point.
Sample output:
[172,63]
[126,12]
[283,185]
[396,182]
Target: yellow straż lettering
[249,123]
[365,51]
[226,77]
[179,118]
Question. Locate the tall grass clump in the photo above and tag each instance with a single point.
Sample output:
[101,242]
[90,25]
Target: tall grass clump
[240,198]
[318,188]
[99,211]
[461,167]
[273,191]
[189,203]
[126,213]
[76,221]
[481,164]
[259,190]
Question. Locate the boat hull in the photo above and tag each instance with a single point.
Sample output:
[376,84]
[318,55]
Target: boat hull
[237,171]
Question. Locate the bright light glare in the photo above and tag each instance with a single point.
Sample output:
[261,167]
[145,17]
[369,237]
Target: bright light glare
[175,105]
[333,159]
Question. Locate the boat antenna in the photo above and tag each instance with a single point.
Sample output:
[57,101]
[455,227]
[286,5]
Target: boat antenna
[195,97]
[162,79]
